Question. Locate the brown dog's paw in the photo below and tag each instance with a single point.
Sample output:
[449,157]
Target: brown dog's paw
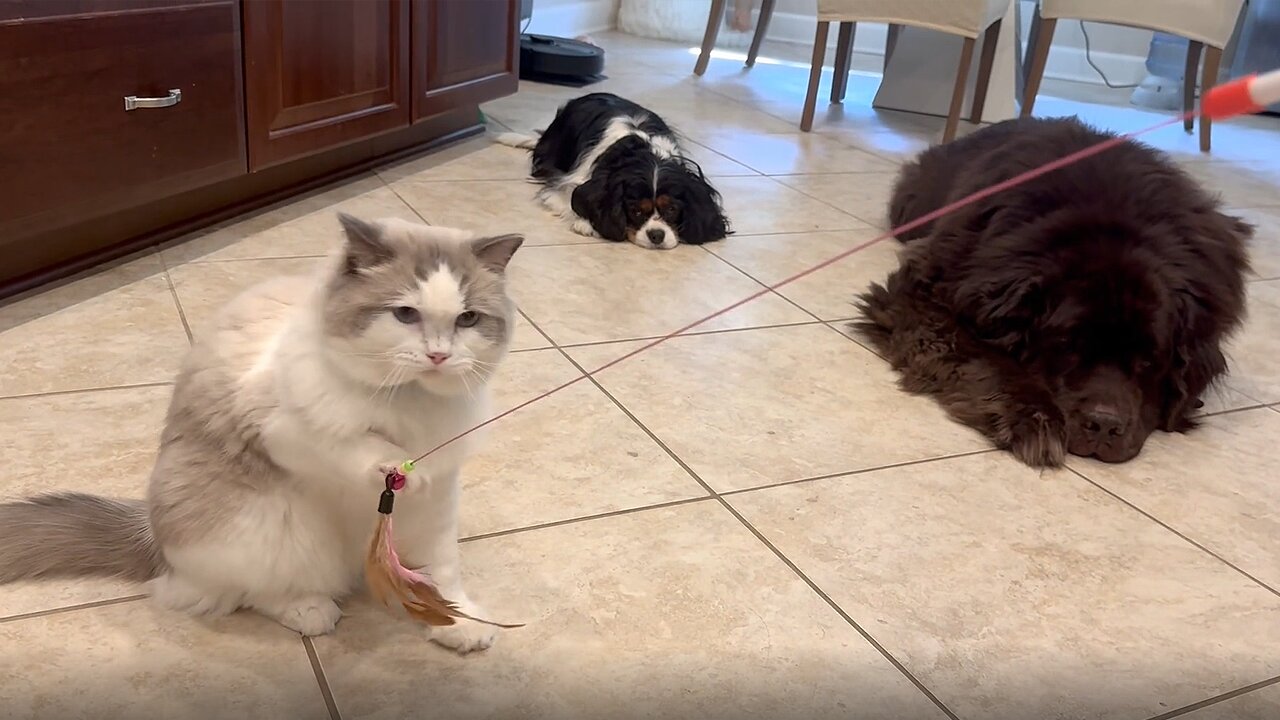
[1038,436]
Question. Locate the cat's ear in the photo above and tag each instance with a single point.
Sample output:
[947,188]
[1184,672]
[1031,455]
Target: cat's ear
[496,252]
[365,246]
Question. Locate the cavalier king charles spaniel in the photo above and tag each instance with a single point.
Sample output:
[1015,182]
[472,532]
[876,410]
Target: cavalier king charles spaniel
[616,170]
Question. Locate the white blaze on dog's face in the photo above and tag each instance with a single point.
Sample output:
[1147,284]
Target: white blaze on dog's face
[654,231]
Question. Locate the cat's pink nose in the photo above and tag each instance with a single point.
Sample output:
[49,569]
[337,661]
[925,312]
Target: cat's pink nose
[437,357]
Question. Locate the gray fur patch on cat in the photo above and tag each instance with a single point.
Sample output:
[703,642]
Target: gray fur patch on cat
[383,263]
[285,409]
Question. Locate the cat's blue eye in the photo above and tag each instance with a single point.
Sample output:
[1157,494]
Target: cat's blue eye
[406,314]
[468,319]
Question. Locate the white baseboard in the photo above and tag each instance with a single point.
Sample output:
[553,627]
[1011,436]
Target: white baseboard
[570,19]
[1066,62]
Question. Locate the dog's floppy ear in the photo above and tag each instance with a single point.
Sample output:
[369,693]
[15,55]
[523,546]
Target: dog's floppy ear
[1203,313]
[1003,308]
[595,201]
[1197,361]
[701,220]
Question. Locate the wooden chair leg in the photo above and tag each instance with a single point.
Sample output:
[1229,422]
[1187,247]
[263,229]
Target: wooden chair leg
[815,75]
[1042,37]
[714,19]
[957,95]
[986,63]
[844,54]
[890,42]
[1212,63]
[1189,82]
[762,27]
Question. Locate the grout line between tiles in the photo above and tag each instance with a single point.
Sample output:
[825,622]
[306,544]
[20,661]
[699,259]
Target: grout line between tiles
[72,608]
[759,536]
[585,518]
[847,336]
[536,329]
[839,610]
[772,291]
[177,301]
[1218,698]
[804,309]
[644,428]
[412,209]
[714,151]
[230,261]
[318,668]
[834,136]
[860,471]
[870,223]
[692,333]
[725,493]
[76,391]
[1173,530]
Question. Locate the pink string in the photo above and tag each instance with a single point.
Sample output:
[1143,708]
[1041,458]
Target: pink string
[1014,181]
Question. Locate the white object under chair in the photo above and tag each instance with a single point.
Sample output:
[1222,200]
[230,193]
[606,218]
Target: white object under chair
[1208,24]
[966,18]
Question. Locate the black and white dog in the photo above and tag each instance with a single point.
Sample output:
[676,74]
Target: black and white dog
[615,170]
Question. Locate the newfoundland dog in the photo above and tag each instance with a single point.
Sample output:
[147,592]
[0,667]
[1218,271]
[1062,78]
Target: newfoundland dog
[1075,313]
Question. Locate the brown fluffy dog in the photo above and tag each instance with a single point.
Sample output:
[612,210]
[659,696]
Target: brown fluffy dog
[1076,313]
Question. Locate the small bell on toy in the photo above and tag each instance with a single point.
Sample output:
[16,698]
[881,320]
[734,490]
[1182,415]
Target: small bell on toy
[391,582]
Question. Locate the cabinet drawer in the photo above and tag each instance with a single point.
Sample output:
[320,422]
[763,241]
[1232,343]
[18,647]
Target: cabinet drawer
[70,150]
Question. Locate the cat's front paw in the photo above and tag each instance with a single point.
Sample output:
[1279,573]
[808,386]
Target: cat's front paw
[309,616]
[401,481]
[465,636]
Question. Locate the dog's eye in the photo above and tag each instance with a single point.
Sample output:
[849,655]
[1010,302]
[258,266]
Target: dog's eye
[406,314]
[468,319]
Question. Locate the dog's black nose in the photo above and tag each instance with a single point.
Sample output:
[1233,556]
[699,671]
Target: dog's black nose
[657,235]
[1103,422]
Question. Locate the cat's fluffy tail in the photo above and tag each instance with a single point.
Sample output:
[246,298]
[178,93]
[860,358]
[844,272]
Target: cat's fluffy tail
[77,535]
[517,140]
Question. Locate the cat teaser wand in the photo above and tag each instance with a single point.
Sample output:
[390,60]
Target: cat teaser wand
[391,582]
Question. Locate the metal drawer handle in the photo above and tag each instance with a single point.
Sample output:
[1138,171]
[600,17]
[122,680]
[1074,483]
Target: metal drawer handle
[133,102]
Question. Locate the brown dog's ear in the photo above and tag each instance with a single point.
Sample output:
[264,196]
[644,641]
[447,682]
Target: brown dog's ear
[1207,309]
[1197,362]
[1004,309]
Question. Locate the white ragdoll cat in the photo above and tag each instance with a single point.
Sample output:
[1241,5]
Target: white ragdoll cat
[283,423]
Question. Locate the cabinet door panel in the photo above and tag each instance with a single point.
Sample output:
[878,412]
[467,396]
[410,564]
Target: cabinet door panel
[464,53]
[71,149]
[320,74]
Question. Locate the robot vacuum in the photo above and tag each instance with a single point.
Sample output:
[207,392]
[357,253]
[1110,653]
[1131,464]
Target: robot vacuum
[561,61]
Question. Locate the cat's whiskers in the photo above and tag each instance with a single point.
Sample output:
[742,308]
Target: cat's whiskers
[471,394]
[401,371]
[378,355]
[382,384]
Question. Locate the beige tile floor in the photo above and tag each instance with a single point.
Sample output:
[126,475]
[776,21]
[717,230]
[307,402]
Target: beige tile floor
[747,522]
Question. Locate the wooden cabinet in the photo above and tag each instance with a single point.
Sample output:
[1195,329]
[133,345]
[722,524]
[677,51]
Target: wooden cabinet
[241,103]
[69,143]
[463,53]
[321,74]
[319,78]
